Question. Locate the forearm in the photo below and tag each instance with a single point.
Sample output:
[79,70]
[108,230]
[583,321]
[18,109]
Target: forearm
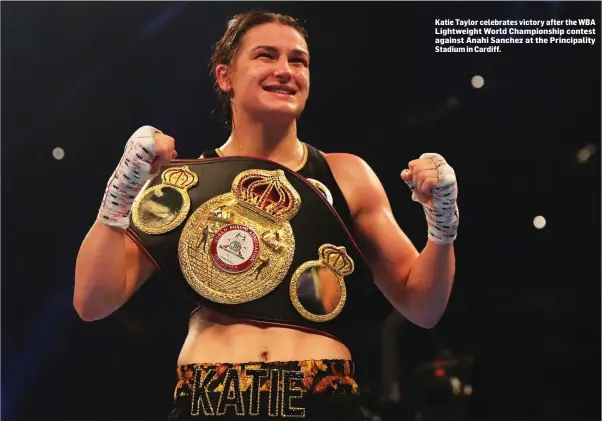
[429,284]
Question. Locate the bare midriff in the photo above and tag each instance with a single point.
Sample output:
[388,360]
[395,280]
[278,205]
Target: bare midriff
[216,338]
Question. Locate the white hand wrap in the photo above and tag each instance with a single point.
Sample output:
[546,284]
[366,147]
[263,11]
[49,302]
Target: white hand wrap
[128,178]
[443,217]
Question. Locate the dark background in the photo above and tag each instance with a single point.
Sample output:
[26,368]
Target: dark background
[526,305]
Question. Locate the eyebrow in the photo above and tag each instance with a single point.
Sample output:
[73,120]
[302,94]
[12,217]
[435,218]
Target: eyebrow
[272,49]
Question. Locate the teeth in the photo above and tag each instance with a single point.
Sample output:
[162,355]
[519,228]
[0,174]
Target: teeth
[282,91]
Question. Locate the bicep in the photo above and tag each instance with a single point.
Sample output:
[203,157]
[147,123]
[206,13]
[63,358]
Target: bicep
[388,250]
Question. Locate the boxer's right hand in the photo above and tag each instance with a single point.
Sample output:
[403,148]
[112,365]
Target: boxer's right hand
[145,152]
[165,151]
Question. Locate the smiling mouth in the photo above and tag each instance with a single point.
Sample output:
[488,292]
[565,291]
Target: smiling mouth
[280,90]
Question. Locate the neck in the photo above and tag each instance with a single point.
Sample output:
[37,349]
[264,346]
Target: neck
[277,142]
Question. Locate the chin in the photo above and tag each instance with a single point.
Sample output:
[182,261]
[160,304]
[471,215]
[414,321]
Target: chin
[279,114]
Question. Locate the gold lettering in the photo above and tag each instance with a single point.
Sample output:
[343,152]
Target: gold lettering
[285,393]
[231,394]
[202,379]
[273,393]
[292,390]
[255,395]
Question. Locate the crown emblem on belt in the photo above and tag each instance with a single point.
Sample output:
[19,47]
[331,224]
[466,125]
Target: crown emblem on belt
[180,177]
[267,193]
[336,258]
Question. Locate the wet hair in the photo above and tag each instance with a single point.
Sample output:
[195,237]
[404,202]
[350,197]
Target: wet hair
[225,49]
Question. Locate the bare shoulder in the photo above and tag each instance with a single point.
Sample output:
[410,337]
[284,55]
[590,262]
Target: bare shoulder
[348,164]
[357,180]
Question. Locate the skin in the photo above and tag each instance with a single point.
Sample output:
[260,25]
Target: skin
[110,267]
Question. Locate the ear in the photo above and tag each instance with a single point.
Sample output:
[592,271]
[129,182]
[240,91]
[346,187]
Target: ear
[222,75]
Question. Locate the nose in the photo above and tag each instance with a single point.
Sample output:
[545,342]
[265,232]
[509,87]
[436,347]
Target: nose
[283,69]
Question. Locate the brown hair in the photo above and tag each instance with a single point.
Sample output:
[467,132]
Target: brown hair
[225,49]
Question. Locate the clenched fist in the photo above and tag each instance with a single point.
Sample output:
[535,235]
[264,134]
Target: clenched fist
[433,183]
[429,177]
[164,151]
[145,152]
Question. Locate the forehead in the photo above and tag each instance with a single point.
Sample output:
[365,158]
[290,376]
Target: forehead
[274,35]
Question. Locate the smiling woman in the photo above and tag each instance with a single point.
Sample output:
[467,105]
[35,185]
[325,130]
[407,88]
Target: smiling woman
[233,363]
[262,46]
[268,257]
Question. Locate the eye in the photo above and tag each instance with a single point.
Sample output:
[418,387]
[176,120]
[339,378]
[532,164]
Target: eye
[301,60]
[265,55]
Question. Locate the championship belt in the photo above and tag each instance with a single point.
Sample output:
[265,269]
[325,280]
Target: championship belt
[253,239]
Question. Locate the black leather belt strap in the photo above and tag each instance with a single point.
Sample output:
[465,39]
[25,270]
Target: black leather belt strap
[315,224]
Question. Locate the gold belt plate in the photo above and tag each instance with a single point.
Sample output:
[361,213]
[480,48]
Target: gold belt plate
[239,246]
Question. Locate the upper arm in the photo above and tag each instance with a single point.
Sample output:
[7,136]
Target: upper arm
[139,266]
[389,252]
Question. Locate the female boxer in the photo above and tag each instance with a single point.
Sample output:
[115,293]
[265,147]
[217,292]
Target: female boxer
[237,368]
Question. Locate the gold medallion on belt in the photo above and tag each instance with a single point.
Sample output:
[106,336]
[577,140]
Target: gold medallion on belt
[238,247]
[162,208]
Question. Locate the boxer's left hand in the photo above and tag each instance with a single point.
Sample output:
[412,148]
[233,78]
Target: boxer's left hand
[430,178]
[433,183]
